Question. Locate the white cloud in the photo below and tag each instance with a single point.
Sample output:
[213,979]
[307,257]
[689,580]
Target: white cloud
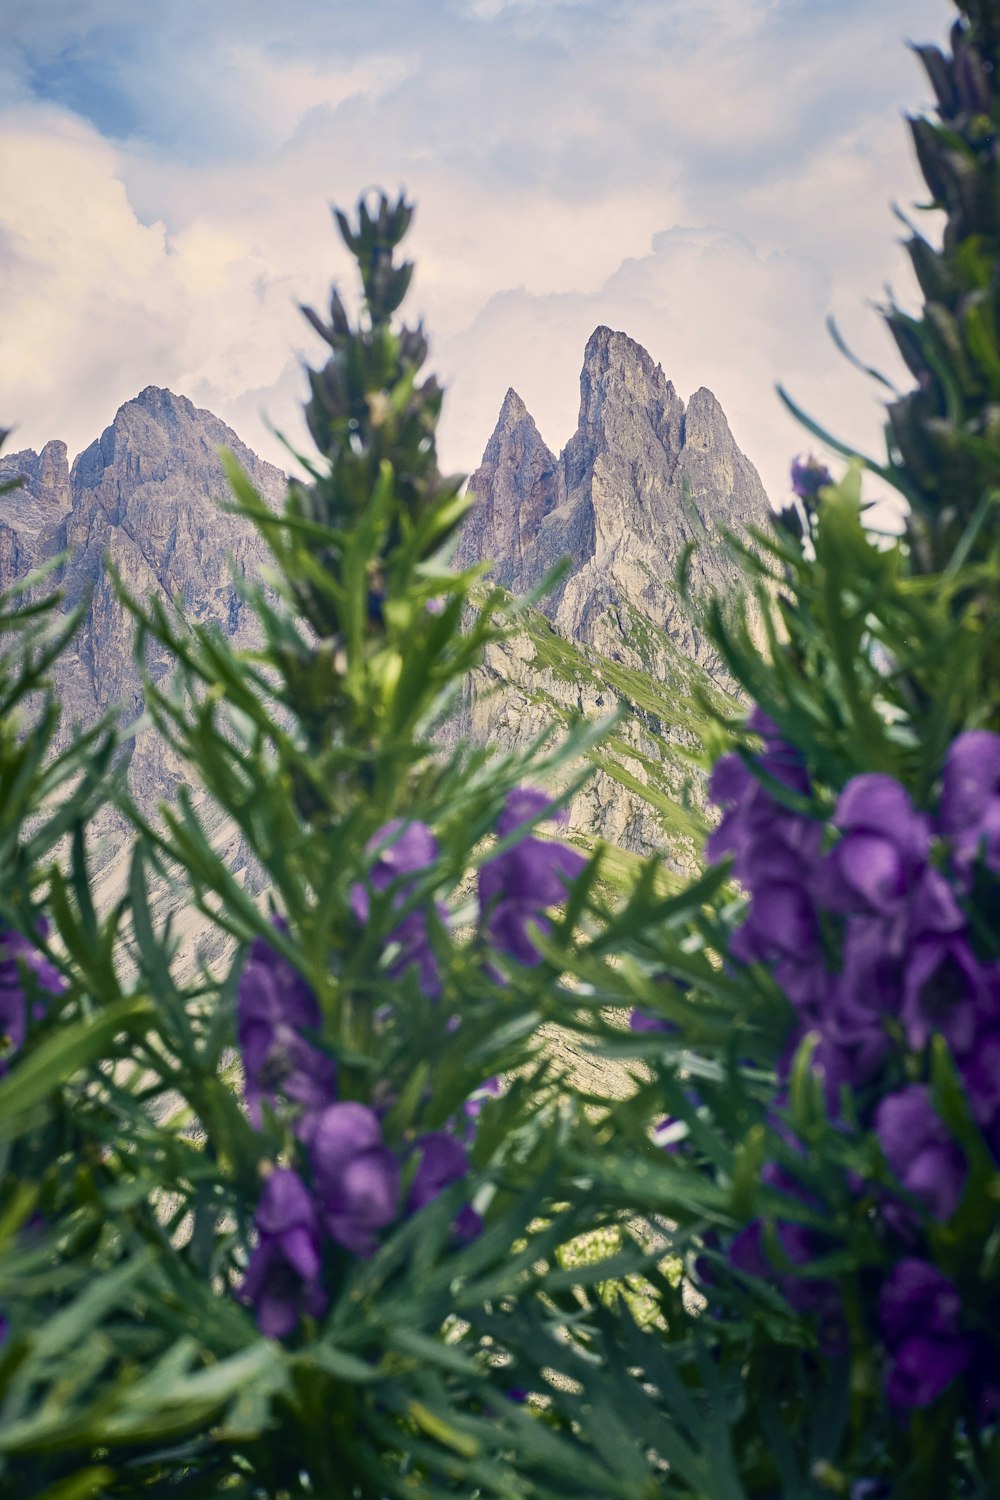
[98,304]
[711,309]
[546,144]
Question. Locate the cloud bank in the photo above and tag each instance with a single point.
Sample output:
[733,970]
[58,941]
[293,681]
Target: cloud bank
[712,178]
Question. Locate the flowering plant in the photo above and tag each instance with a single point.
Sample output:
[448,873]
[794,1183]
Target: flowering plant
[818,1109]
[267,1231]
[328,1220]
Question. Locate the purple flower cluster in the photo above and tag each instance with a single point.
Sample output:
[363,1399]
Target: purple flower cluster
[872,935]
[890,895]
[350,1185]
[348,1190]
[26,976]
[348,1194]
[920,1322]
[275,1012]
[518,885]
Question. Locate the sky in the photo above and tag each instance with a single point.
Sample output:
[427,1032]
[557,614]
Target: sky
[713,177]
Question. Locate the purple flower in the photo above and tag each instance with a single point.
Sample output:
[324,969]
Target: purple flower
[442,1161]
[946,990]
[882,851]
[473,1106]
[526,804]
[981,1076]
[969,809]
[356,1176]
[860,1000]
[920,1150]
[774,853]
[768,841]
[274,1006]
[641,1020]
[283,1277]
[781,924]
[517,886]
[808,477]
[919,1318]
[21,961]
[403,849]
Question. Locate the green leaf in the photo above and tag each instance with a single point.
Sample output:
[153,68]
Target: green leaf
[56,1059]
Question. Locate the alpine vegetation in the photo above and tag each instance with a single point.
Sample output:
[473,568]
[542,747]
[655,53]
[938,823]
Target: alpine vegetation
[324,1216]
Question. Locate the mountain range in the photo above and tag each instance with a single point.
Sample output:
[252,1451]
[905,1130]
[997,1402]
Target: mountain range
[642,476]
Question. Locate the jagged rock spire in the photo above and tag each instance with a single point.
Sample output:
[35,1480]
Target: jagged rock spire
[518,475]
[641,477]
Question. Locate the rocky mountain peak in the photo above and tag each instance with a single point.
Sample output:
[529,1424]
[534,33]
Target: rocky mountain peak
[519,473]
[43,496]
[34,509]
[512,410]
[617,369]
[146,493]
[608,351]
[626,403]
[158,434]
[705,421]
[640,477]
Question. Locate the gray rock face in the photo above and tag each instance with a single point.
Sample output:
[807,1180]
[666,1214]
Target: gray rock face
[28,514]
[145,494]
[642,477]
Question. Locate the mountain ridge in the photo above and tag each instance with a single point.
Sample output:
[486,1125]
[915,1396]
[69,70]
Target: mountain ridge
[642,476]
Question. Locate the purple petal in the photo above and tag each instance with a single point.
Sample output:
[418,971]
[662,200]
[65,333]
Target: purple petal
[640,1020]
[933,908]
[277,1309]
[937,1177]
[730,780]
[971,779]
[906,1123]
[366,1200]
[808,477]
[944,990]
[783,919]
[917,1298]
[508,930]
[534,870]
[924,1368]
[873,869]
[526,805]
[300,1249]
[284,1203]
[761,723]
[981,1075]
[442,1161]
[342,1132]
[879,803]
[403,849]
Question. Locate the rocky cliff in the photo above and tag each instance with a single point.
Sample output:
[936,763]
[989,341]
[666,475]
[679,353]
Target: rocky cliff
[146,494]
[641,478]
